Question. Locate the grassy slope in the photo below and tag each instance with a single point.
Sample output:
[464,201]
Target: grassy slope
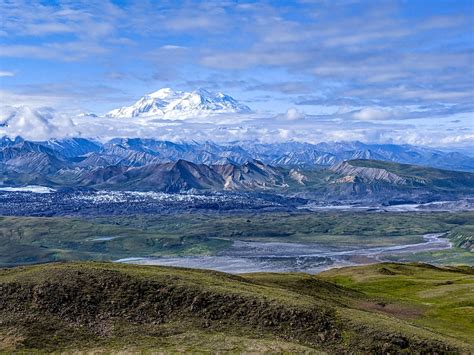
[100,306]
[442,299]
[31,240]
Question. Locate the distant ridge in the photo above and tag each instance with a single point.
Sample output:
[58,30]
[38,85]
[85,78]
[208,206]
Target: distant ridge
[148,165]
[138,152]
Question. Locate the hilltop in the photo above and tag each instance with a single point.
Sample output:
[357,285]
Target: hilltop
[115,307]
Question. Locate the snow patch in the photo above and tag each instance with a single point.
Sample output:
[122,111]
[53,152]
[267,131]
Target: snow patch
[30,188]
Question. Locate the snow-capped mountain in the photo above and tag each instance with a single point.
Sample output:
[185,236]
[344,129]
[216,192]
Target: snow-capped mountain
[168,104]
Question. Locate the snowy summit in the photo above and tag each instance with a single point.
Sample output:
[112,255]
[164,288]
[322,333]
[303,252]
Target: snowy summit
[169,104]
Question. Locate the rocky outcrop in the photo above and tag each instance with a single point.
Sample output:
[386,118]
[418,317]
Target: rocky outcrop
[250,175]
[299,177]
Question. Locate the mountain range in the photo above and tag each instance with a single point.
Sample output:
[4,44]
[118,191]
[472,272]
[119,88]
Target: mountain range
[136,164]
[139,152]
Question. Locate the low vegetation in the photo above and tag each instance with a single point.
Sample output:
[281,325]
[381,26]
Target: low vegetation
[26,240]
[436,298]
[103,307]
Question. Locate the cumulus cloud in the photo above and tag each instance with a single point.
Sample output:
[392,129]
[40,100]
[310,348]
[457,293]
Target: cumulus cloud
[36,124]
[292,114]
[372,114]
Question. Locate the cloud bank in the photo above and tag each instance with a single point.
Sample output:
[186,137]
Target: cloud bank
[36,124]
[46,123]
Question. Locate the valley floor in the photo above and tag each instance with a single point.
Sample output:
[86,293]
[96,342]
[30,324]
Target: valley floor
[243,241]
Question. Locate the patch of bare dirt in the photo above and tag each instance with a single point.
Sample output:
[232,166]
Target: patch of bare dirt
[393,309]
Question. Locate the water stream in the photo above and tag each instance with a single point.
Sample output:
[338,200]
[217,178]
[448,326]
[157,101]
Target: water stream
[244,257]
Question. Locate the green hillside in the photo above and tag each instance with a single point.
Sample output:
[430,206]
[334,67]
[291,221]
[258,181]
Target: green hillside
[441,299]
[105,307]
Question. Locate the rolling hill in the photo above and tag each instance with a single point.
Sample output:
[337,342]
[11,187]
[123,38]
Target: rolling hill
[114,307]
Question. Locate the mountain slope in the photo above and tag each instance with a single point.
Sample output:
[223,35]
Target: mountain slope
[30,158]
[445,291]
[418,176]
[72,147]
[387,182]
[251,175]
[169,177]
[350,171]
[183,176]
[168,104]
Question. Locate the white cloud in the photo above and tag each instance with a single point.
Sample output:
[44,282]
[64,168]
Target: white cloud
[292,114]
[10,98]
[35,124]
[372,114]
[67,51]
[45,123]
[39,29]
[6,74]
[172,47]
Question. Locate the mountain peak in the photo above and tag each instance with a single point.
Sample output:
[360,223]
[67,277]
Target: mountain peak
[164,93]
[202,91]
[167,103]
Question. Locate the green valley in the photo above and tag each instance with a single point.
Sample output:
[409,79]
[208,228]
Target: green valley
[25,240]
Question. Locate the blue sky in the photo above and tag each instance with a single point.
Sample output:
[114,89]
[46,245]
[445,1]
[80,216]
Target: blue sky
[390,71]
